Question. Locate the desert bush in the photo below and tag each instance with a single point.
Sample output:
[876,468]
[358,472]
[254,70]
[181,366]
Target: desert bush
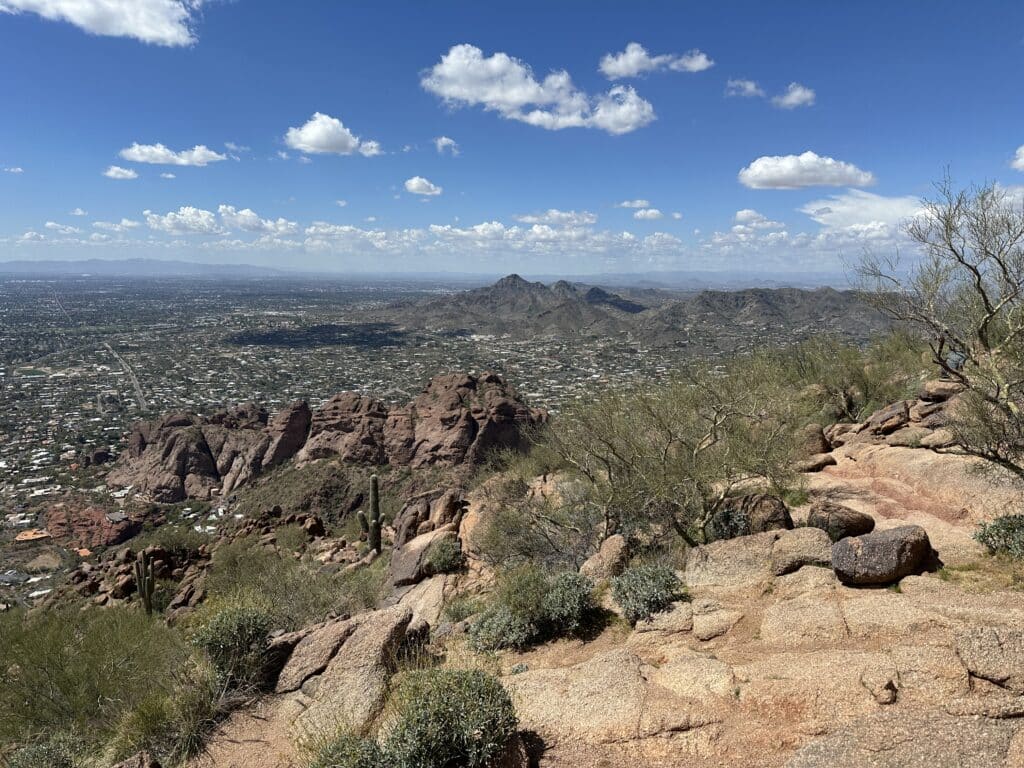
[290,538]
[445,717]
[663,459]
[530,606]
[113,675]
[643,590]
[347,750]
[173,726]
[838,381]
[363,588]
[1004,535]
[293,592]
[234,638]
[462,607]
[557,531]
[59,751]
[444,556]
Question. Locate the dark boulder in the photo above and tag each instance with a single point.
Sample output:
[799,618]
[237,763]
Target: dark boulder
[749,514]
[881,557]
[839,521]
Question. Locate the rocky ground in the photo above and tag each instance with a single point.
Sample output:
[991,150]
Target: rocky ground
[771,661]
[864,627]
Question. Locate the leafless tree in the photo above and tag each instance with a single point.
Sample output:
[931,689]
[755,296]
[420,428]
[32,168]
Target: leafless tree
[964,293]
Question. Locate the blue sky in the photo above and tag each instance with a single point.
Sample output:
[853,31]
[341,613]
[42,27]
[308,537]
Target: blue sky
[749,135]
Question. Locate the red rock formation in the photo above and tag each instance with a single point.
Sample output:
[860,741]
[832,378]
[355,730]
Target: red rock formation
[457,419]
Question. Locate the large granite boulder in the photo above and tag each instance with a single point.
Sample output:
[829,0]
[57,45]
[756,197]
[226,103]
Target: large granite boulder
[839,521]
[881,557]
[749,514]
[610,560]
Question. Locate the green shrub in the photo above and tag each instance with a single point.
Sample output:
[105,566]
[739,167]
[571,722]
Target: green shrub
[290,538]
[79,671]
[531,606]
[643,590]
[347,750]
[234,637]
[449,718]
[56,752]
[444,556]
[1004,535]
[295,593]
[568,602]
[173,725]
[462,607]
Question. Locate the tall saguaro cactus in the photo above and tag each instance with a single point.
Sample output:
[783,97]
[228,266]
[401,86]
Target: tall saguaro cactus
[145,582]
[371,524]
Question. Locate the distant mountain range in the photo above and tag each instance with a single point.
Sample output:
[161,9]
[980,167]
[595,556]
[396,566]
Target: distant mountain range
[702,319]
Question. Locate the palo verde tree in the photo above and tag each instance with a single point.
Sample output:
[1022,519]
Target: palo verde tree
[964,294]
[667,457]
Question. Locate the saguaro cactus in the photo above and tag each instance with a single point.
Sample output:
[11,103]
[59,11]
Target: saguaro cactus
[371,524]
[145,582]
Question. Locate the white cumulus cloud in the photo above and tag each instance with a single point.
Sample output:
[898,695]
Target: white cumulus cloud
[805,170]
[161,22]
[639,203]
[1018,160]
[857,209]
[167,175]
[341,203]
[157,154]
[443,143]
[248,220]
[64,229]
[555,217]
[14,169]
[124,225]
[506,85]
[323,134]
[635,60]
[744,88]
[78,212]
[117,172]
[187,220]
[417,185]
[648,214]
[795,95]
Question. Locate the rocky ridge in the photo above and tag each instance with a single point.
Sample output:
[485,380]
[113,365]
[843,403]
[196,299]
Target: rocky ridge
[457,419]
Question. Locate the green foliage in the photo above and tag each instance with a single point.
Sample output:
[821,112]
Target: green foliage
[234,638]
[290,538]
[95,672]
[462,607]
[530,606]
[449,718]
[347,750]
[444,556]
[293,592]
[840,382]
[58,751]
[173,727]
[363,588]
[1004,535]
[178,538]
[643,590]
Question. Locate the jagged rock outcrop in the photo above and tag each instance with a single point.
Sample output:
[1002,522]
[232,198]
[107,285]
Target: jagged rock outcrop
[73,523]
[457,419]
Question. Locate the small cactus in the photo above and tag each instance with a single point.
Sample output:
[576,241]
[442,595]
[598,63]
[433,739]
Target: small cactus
[371,525]
[145,582]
